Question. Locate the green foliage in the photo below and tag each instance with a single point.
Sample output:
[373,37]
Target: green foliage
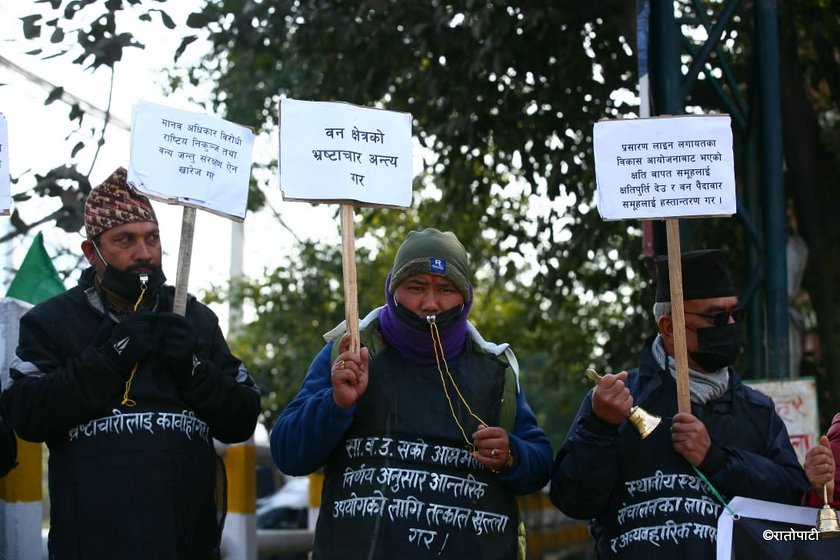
[89,32]
[86,30]
[294,305]
[503,98]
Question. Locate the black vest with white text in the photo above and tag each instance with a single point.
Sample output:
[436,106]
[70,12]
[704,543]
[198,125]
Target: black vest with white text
[402,483]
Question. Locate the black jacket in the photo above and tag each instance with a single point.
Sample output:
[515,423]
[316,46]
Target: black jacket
[8,446]
[127,481]
[644,499]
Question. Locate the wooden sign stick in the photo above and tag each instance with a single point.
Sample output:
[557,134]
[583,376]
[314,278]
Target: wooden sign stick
[348,266]
[672,226]
[179,306]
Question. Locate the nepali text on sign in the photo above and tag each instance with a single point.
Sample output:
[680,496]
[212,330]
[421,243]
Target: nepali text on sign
[343,152]
[664,167]
[191,158]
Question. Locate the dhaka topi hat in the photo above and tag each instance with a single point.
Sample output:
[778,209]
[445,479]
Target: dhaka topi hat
[705,275]
[431,251]
[115,203]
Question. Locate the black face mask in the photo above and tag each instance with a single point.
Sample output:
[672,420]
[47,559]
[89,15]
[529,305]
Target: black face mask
[442,320]
[717,347]
[128,285]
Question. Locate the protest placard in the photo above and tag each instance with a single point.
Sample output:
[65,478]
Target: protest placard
[666,168]
[196,160]
[762,529]
[190,158]
[796,404]
[333,152]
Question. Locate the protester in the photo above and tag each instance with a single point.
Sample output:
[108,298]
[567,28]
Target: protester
[425,435]
[821,463]
[657,497]
[128,397]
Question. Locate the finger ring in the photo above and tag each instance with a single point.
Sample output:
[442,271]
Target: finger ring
[339,364]
[494,453]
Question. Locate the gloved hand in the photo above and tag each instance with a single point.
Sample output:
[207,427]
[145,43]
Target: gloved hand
[178,345]
[132,341]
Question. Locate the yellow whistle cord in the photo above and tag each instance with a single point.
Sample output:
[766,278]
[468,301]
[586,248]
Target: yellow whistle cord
[127,401]
[440,356]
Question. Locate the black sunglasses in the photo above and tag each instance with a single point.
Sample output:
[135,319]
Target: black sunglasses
[721,319]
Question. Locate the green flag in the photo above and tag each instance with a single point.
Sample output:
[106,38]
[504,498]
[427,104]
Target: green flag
[37,278]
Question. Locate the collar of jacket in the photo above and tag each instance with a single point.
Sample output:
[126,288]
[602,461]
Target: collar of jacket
[651,377]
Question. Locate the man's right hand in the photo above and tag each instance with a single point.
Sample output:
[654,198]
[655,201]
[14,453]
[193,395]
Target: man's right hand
[819,467]
[132,340]
[178,346]
[349,374]
[611,399]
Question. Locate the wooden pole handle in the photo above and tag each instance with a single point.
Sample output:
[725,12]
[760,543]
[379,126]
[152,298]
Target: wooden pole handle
[182,279]
[678,314]
[348,266]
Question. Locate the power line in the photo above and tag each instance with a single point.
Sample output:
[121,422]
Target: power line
[66,97]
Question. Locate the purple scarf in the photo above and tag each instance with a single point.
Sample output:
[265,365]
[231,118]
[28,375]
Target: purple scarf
[416,344]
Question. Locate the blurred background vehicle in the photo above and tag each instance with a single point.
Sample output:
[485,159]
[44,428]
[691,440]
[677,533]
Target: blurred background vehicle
[282,500]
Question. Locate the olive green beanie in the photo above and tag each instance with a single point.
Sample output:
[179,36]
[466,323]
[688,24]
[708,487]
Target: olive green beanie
[431,251]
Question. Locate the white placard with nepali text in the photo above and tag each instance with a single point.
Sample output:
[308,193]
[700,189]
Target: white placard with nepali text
[332,151]
[664,167]
[5,182]
[190,158]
